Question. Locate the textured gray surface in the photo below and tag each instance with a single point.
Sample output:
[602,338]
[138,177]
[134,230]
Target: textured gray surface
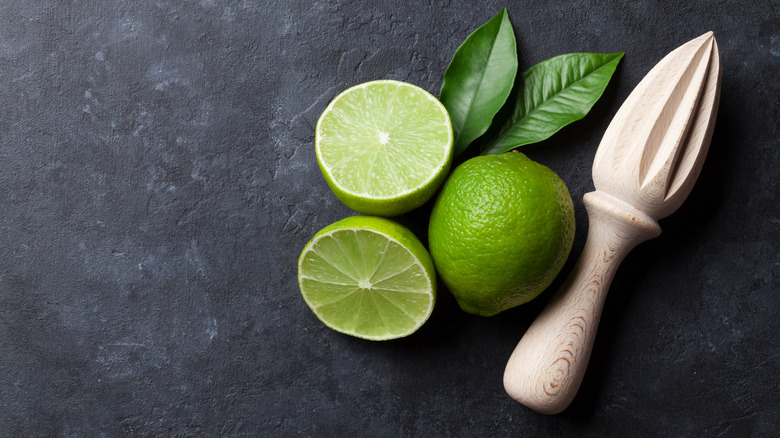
[158,180]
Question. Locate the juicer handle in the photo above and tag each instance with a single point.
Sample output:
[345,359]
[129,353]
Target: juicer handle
[546,368]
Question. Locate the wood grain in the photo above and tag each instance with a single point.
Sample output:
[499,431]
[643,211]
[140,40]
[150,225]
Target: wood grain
[547,367]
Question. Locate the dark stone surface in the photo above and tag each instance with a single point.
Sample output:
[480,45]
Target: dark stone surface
[158,181]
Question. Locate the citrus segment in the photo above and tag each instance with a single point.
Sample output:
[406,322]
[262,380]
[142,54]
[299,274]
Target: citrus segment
[368,277]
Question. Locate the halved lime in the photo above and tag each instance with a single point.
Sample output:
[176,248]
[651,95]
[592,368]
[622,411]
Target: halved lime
[384,146]
[368,277]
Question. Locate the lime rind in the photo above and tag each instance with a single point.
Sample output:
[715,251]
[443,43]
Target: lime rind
[368,277]
[500,231]
[384,147]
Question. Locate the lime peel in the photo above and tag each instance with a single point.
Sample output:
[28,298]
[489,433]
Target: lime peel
[500,231]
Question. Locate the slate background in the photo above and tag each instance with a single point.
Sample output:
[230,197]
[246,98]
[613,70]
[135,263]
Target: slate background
[158,181]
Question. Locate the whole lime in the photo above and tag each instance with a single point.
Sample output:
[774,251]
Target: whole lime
[500,231]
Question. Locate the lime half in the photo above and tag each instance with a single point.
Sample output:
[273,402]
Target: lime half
[368,277]
[384,147]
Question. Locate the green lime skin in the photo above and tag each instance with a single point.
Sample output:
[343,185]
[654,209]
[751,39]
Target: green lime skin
[500,231]
[388,207]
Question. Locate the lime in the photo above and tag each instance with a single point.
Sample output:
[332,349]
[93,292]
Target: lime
[368,277]
[500,231]
[384,147]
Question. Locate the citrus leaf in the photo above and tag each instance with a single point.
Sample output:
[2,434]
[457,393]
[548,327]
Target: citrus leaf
[479,79]
[549,96]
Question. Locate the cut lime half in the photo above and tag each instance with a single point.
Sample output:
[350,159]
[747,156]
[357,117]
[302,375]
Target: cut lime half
[384,146]
[368,277]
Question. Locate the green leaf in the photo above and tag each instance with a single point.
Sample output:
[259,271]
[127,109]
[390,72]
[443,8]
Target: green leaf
[479,79]
[549,96]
